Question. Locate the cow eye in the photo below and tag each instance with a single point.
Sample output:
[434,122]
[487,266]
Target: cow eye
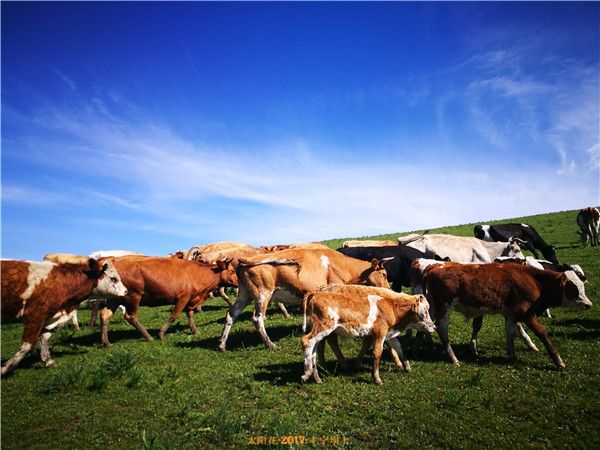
[113,279]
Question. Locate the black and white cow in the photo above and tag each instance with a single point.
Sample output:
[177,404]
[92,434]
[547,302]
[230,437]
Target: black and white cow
[503,232]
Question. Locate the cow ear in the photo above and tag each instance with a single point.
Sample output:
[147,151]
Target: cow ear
[375,263]
[95,269]
[415,306]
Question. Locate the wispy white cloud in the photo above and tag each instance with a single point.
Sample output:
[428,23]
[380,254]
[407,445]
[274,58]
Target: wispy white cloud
[68,81]
[281,193]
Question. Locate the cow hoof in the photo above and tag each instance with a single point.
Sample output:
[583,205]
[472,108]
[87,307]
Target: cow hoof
[271,346]
[378,382]
[221,348]
[50,364]
[107,344]
[456,363]
[407,367]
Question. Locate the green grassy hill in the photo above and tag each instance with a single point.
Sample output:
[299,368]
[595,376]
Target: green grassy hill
[182,393]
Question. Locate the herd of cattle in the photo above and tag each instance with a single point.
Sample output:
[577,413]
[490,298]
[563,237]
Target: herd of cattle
[344,292]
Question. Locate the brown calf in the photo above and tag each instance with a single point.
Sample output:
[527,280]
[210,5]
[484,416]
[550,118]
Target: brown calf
[517,292]
[362,311]
[155,281]
[287,276]
[46,294]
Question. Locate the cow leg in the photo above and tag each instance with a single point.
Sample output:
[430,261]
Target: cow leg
[542,334]
[510,327]
[231,316]
[321,353]
[260,311]
[31,331]
[309,348]
[377,351]
[45,349]
[526,337]
[93,314]
[394,344]
[546,313]
[442,330]
[105,316]
[190,315]
[477,323]
[224,296]
[74,321]
[283,310]
[179,306]
[133,320]
[337,351]
[366,344]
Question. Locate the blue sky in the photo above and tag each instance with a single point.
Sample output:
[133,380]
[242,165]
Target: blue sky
[156,126]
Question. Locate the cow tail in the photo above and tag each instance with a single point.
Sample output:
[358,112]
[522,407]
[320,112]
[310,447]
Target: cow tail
[305,301]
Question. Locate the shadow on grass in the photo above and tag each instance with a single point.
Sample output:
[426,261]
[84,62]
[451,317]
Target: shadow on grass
[584,322]
[241,339]
[93,338]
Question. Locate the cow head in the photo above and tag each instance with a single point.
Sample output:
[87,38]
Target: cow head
[513,248]
[573,291]
[226,270]
[375,275]
[423,322]
[109,280]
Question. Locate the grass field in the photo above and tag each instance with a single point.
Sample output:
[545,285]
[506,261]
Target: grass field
[182,393]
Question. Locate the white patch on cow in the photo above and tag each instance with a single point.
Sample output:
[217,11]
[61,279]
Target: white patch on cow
[525,225]
[110,284]
[61,317]
[324,261]
[532,262]
[578,270]
[38,272]
[581,302]
[486,233]
[425,263]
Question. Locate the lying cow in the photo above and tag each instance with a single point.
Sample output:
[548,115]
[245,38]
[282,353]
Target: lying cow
[287,276]
[155,281]
[588,220]
[525,233]
[516,291]
[362,311]
[463,249]
[46,294]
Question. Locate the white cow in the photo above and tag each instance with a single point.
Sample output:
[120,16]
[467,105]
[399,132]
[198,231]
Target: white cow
[462,249]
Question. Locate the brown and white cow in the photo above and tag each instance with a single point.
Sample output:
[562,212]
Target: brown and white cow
[588,220]
[287,276]
[46,294]
[156,281]
[362,311]
[516,291]
[368,243]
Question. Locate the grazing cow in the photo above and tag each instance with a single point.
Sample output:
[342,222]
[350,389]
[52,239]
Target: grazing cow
[516,291]
[45,295]
[287,276]
[588,220]
[526,233]
[463,249]
[396,260]
[156,281]
[368,243]
[362,311]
